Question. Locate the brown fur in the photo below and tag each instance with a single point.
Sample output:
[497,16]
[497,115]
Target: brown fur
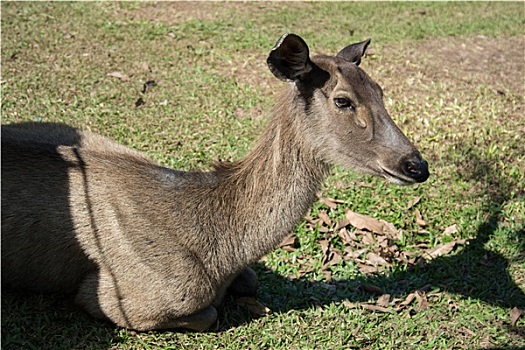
[149,247]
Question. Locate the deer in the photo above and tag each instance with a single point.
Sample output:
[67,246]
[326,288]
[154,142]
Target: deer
[150,248]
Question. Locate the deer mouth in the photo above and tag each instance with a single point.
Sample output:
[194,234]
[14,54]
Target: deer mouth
[396,178]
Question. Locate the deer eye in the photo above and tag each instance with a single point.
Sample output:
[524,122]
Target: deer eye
[344,103]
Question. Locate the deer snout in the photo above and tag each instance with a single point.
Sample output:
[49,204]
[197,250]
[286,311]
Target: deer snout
[416,168]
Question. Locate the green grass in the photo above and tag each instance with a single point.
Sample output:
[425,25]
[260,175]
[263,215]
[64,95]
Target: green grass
[453,80]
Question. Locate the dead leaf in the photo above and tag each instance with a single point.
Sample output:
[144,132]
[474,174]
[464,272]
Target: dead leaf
[405,303]
[311,220]
[443,249]
[330,202]
[366,269]
[383,300]
[419,219]
[324,229]
[118,75]
[374,259]
[325,218]
[324,245]
[422,300]
[327,275]
[413,202]
[341,224]
[290,243]
[345,236]
[331,256]
[451,229]
[383,242]
[254,306]
[368,239]
[350,305]
[364,222]
[515,314]
[376,308]
[353,236]
[354,254]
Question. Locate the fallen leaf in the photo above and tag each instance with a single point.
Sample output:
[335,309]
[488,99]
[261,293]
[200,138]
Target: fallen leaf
[325,218]
[354,254]
[341,224]
[368,239]
[313,221]
[364,222]
[515,314]
[451,229]
[413,202]
[468,331]
[345,236]
[374,259]
[118,75]
[383,242]
[290,243]
[376,308]
[419,219]
[254,306]
[324,245]
[331,256]
[366,269]
[383,300]
[408,300]
[422,300]
[329,202]
[443,249]
[350,305]
[327,275]
[324,229]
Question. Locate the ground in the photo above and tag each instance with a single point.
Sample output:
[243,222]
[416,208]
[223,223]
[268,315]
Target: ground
[445,269]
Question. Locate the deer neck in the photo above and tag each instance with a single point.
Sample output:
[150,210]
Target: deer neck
[270,190]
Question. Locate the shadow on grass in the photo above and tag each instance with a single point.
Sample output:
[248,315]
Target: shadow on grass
[33,321]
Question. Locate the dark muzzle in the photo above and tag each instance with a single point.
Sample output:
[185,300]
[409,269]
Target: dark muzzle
[416,168]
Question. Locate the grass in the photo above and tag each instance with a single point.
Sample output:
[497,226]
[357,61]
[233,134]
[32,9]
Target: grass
[453,80]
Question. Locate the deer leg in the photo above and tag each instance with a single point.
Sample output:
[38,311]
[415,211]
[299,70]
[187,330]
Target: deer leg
[130,305]
[199,321]
[245,284]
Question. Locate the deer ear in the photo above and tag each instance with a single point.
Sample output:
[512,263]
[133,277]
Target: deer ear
[289,59]
[353,53]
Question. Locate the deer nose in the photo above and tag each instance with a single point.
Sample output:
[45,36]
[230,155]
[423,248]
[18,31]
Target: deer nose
[416,168]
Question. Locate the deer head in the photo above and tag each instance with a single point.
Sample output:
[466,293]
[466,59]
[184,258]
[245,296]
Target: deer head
[344,115]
